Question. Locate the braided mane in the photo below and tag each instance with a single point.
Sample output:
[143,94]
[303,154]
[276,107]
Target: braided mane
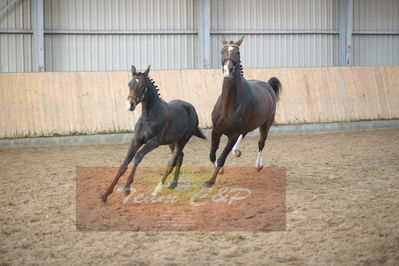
[155,87]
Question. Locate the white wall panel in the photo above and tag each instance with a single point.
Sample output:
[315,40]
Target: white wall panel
[15,49]
[15,53]
[382,15]
[278,50]
[80,51]
[373,15]
[376,50]
[274,15]
[120,15]
[17,17]
[119,52]
[282,50]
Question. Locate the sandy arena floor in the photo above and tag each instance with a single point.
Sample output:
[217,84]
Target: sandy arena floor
[342,206]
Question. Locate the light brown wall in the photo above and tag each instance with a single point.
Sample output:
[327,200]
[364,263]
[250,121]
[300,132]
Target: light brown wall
[94,102]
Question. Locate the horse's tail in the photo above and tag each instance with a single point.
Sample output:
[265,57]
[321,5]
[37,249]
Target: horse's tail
[276,85]
[198,133]
[192,113]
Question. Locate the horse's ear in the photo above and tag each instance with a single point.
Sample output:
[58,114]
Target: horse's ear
[147,71]
[223,40]
[239,41]
[133,70]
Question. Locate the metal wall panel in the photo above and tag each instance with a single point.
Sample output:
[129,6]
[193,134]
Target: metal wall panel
[282,50]
[15,49]
[373,15]
[376,49]
[17,17]
[278,50]
[120,15]
[77,51]
[15,53]
[274,15]
[117,52]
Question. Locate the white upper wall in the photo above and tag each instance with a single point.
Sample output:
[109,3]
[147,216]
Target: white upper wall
[76,51]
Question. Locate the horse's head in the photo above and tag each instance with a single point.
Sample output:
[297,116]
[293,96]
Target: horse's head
[230,57]
[137,88]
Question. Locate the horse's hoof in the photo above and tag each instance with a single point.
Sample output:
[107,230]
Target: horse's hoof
[259,168]
[103,198]
[237,153]
[208,183]
[127,192]
[173,185]
[221,170]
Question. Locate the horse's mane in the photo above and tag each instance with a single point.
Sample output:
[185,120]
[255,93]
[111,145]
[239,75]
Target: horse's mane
[154,87]
[240,65]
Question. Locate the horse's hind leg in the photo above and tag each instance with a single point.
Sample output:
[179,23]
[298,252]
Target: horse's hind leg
[172,147]
[177,171]
[264,131]
[178,150]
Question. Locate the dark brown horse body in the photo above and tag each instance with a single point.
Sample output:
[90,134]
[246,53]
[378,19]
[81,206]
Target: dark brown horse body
[243,106]
[235,107]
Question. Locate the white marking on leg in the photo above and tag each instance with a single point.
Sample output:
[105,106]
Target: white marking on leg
[236,148]
[221,170]
[157,190]
[128,105]
[259,160]
[137,80]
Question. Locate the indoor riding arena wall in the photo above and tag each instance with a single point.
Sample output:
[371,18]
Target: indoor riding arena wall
[70,103]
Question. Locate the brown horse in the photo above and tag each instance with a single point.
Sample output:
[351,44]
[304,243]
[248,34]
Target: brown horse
[243,106]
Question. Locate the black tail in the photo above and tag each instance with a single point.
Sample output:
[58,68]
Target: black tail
[276,85]
[198,133]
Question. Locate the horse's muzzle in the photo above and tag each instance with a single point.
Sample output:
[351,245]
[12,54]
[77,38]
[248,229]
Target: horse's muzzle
[131,105]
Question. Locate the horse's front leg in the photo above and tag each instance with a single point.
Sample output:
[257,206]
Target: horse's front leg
[215,140]
[236,147]
[134,146]
[221,160]
[152,144]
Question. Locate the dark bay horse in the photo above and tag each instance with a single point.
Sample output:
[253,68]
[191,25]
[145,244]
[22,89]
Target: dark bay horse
[243,106]
[160,123]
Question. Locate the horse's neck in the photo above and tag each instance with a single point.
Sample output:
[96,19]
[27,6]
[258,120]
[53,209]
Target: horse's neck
[151,100]
[231,94]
